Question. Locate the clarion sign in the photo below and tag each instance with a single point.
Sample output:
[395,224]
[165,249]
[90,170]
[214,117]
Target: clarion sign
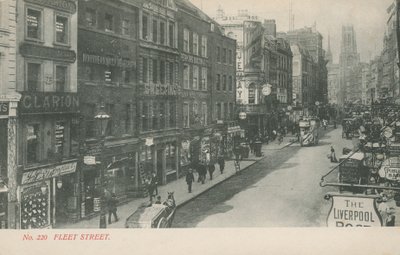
[49,102]
[353,211]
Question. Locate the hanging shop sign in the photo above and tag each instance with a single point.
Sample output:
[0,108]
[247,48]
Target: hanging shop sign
[107,61]
[49,102]
[4,107]
[48,172]
[62,5]
[44,52]
[353,211]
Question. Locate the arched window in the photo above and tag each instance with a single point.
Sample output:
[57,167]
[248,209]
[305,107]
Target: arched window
[252,94]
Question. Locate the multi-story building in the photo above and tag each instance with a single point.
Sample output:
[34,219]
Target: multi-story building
[375,82]
[48,122]
[365,78]
[333,77]
[158,93]
[9,99]
[107,77]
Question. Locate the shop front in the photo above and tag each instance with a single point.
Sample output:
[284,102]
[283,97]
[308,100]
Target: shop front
[48,195]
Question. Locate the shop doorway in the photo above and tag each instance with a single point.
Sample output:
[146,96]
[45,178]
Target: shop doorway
[160,156]
[65,203]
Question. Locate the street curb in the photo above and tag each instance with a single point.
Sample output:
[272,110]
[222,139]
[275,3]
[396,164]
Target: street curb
[223,180]
[287,145]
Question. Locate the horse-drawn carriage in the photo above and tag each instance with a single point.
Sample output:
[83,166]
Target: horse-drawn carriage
[349,128]
[154,215]
[309,134]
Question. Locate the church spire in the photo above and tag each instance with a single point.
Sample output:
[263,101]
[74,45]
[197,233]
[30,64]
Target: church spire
[329,52]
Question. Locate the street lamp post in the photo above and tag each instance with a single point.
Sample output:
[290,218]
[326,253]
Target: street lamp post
[101,120]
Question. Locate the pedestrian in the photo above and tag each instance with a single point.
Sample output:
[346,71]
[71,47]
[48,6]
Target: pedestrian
[211,169]
[158,201]
[112,208]
[155,183]
[151,187]
[238,152]
[221,163]
[202,173]
[190,179]
[333,155]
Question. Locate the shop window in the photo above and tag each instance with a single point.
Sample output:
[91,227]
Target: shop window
[90,17]
[224,82]
[155,30]
[218,82]
[171,31]
[155,70]
[62,29]
[108,22]
[186,40]
[33,143]
[195,77]
[61,78]
[195,44]
[186,76]
[170,153]
[145,30]
[186,115]
[204,78]
[162,32]
[162,72]
[204,46]
[171,73]
[145,70]
[34,24]
[33,76]
[230,83]
[125,27]
[59,133]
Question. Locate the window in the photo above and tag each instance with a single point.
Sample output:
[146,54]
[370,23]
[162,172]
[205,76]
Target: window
[126,76]
[204,113]
[231,110]
[108,22]
[218,83]
[33,143]
[155,30]
[219,111]
[162,72]
[171,35]
[224,83]
[171,73]
[204,46]
[172,114]
[170,154]
[218,54]
[155,71]
[195,77]
[186,40]
[145,70]
[59,133]
[185,76]
[162,33]
[90,17]
[225,111]
[252,94]
[224,55]
[230,83]
[145,114]
[204,78]
[145,31]
[195,44]
[230,57]
[127,118]
[61,29]
[61,78]
[125,27]
[186,115]
[33,75]
[162,115]
[155,115]
[34,20]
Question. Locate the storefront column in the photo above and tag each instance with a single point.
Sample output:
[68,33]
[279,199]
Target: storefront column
[137,169]
[13,219]
[164,167]
[178,157]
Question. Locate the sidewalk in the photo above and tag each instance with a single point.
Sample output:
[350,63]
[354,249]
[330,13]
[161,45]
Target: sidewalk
[179,187]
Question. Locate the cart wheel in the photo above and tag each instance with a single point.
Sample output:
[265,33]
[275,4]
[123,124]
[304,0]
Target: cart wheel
[162,223]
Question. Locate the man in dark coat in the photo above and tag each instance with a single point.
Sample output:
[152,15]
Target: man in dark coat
[202,173]
[112,208]
[190,179]
[221,163]
[211,169]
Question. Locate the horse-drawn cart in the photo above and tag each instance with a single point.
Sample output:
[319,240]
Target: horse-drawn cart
[153,216]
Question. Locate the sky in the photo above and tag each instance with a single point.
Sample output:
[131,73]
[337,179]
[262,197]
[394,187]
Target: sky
[368,17]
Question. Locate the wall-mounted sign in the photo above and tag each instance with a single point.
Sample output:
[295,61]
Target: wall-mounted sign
[62,5]
[160,89]
[107,61]
[242,115]
[193,60]
[48,102]
[43,52]
[353,211]
[149,141]
[47,173]
[89,160]
[4,107]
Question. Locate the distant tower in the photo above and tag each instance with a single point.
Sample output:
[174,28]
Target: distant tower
[329,52]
